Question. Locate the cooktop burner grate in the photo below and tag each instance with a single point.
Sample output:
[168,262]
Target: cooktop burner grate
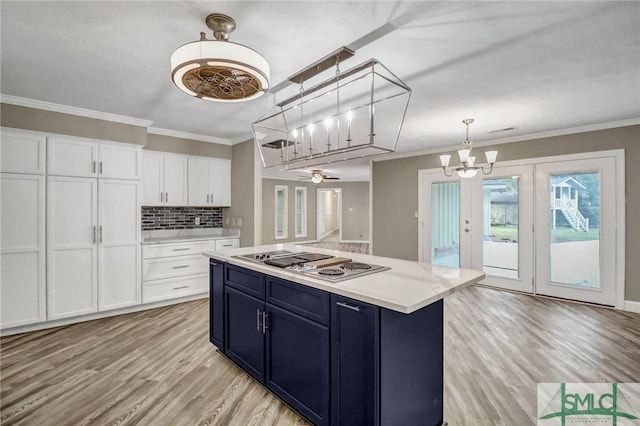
[331,271]
[356,266]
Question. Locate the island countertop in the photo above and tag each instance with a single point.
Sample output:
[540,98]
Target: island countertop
[406,287]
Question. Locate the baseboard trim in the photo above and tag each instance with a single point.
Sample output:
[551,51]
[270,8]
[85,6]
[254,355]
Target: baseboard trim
[99,315]
[354,241]
[632,306]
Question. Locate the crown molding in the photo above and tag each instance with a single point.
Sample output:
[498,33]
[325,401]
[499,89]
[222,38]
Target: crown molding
[186,135]
[521,138]
[66,109]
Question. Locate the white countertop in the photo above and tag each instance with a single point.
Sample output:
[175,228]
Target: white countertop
[406,287]
[196,234]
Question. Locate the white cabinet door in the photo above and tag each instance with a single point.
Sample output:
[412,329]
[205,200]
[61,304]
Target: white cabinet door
[119,279]
[175,180]
[152,179]
[22,152]
[199,182]
[220,183]
[119,162]
[72,273]
[22,254]
[71,157]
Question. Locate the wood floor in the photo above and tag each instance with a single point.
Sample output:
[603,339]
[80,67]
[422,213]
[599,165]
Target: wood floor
[158,368]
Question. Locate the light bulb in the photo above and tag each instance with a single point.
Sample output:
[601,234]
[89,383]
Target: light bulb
[349,116]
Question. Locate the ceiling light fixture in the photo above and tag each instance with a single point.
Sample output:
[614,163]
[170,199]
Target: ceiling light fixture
[356,113]
[467,168]
[219,70]
[316,176]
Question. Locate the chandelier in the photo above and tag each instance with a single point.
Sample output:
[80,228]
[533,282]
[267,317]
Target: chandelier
[467,169]
[219,70]
[356,113]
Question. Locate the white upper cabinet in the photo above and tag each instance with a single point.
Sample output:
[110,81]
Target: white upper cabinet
[22,151]
[67,156]
[119,162]
[164,179]
[209,182]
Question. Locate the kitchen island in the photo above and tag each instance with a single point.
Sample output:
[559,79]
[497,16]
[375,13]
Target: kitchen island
[364,350]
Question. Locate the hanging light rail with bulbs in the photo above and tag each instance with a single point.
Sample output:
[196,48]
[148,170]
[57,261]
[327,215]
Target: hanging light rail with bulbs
[467,168]
[334,120]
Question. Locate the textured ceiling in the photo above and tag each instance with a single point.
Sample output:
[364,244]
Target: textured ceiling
[533,66]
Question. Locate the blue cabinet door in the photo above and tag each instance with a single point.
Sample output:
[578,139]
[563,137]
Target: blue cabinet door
[244,337]
[298,363]
[216,303]
[354,362]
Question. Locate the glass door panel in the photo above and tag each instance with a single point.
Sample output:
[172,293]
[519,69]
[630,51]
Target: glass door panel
[574,229]
[445,223]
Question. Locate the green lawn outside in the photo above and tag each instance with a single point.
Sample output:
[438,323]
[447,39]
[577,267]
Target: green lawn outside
[558,235]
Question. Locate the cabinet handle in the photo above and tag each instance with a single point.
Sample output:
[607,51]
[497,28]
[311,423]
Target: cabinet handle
[100,231]
[93,167]
[101,167]
[345,305]
[161,196]
[207,198]
[265,317]
[227,245]
[258,319]
[211,198]
[182,249]
[166,197]
[181,266]
[181,287]
[94,234]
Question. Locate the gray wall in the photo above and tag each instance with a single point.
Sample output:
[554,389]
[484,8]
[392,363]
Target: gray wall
[395,191]
[187,146]
[354,195]
[242,187]
[72,125]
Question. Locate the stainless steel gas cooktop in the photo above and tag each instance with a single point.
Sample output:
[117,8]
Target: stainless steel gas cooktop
[303,263]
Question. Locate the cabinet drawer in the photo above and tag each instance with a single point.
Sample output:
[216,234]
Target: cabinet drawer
[227,244]
[169,289]
[152,251]
[174,267]
[308,302]
[245,280]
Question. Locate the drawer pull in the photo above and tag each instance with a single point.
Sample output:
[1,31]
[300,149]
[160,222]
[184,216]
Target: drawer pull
[227,245]
[345,305]
[182,249]
[181,266]
[181,287]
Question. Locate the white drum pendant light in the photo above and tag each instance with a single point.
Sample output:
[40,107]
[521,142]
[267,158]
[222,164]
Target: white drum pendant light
[219,70]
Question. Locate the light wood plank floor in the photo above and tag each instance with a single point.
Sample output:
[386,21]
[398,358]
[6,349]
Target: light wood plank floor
[158,368]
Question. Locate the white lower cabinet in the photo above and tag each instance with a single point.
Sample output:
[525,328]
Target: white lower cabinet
[22,250]
[174,270]
[93,245]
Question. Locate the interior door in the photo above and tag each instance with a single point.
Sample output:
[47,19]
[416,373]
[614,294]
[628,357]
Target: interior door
[576,230]
[503,237]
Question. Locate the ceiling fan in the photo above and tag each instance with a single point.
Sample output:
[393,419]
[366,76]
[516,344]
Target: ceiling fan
[317,176]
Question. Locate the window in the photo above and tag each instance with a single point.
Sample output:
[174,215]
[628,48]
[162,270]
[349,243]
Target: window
[301,211]
[281,212]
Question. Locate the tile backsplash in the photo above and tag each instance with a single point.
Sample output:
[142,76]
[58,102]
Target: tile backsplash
[180,217]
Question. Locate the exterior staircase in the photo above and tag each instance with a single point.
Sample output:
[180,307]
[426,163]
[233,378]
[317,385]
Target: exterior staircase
[572,214]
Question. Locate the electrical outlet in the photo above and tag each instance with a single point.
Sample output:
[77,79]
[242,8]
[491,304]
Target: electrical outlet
[197,220]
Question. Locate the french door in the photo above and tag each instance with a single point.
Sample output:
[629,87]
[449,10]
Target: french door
[481,223]
[554,227]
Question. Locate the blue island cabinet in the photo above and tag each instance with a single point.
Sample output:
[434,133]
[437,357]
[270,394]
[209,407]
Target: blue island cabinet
[335,360]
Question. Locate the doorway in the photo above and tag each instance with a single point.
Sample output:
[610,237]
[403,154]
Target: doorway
[551,226]
[329,213]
